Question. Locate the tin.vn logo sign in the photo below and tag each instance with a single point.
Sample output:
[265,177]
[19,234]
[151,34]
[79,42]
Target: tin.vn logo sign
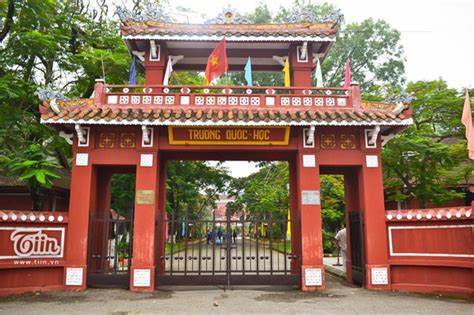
[29,242]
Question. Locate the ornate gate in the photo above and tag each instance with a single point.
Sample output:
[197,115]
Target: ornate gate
[228,251]
[110,251]
[356,228]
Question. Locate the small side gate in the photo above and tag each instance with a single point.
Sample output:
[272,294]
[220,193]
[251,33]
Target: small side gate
[356,228]
[110,251]
[228,251]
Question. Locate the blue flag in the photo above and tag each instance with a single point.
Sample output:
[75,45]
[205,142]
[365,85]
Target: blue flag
[133,72]
[248,73]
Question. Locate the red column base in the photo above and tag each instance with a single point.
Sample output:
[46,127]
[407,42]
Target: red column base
[73,279]
[313,278]
[377,277]
[145,279]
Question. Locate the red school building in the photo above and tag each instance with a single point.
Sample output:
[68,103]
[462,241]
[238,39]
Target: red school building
[317,130]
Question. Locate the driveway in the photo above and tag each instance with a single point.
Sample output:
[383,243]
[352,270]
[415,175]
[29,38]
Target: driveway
[339,298]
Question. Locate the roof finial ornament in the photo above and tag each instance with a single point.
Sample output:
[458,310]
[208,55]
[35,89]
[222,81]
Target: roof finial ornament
[229,15]
[300,14]
[149,11]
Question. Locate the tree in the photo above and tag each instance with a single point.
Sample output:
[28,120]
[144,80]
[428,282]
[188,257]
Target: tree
[59,44]
[34,168]
[426,161]
[193,187]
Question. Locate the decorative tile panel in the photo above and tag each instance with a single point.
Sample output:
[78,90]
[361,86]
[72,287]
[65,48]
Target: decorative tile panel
[319,101]
[82,159]
[255,100]
[371,161]
[307,101]
[169,100]
[199,100]
[285,101]
[328,141]
[379,276]
[221,100]
[135,99]
[330,101]
[296,101]
[112,99]
[348,142]
[124,99]
[269,100]
[146,99]
[127,140]
[244,100]
[158,100]
[210,100]
[106,140]
[184,99]
[341,101]
[233,100]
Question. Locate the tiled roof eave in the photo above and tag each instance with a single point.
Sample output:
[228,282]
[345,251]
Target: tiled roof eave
[232,38]
[210,122]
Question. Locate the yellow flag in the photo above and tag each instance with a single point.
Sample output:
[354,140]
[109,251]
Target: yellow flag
[288,226]
[286,72]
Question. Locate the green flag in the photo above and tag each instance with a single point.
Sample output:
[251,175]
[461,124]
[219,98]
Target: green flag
[319,75]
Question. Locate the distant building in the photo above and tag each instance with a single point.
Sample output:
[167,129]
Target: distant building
[16,195]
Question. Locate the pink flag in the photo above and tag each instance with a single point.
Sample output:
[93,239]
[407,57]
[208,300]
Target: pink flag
[467,122]
[347,74]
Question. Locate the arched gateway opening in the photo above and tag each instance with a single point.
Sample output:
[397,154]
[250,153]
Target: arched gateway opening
[138,128]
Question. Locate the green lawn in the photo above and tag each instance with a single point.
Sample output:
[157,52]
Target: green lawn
[280,246]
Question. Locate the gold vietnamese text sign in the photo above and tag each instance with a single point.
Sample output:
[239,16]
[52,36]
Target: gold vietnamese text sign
[145,197]
[208,135]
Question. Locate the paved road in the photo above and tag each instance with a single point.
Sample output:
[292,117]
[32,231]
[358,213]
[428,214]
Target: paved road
[339,298]
[244,254]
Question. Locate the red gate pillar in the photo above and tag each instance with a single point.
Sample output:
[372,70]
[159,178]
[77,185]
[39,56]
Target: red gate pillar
[375,234]
[144,227]
[294,217]
[309,205]
[82,199]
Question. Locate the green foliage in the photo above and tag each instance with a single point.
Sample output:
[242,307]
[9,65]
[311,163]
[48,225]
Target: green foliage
[62,44]
[123,193]
[193,187]
[428,159]
[34,168]
[262,192]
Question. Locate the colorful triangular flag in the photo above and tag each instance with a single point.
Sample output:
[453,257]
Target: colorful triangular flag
[467,122]
[319,75]
[168,71]
[347,74]
[248,73]
[133,72]
[286,72]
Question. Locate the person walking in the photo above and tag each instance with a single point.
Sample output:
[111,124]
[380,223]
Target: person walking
[341,240]
[234,236]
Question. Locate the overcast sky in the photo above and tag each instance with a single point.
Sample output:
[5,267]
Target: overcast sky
[437,35]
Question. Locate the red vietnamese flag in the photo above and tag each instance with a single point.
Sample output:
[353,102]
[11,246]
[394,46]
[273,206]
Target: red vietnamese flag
[217,62]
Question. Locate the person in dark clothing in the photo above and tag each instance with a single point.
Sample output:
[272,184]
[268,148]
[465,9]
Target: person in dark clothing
[234,236]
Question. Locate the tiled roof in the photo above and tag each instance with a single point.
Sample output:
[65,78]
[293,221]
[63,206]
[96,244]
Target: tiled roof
[84,111]
[432,214]
[132,29]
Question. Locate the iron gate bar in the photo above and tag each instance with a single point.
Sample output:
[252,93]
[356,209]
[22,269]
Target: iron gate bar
[259,259]
[97,273]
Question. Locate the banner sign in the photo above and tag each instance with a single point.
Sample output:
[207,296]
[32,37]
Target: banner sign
[31,242]
[209,135]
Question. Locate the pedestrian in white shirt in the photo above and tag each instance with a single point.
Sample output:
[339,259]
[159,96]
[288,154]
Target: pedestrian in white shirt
[341,240]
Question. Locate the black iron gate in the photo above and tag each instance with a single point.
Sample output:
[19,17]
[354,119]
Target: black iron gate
[110,250]
[228,251]
[356,228]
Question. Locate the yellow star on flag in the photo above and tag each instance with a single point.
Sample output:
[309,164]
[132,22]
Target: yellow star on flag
[214,60]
